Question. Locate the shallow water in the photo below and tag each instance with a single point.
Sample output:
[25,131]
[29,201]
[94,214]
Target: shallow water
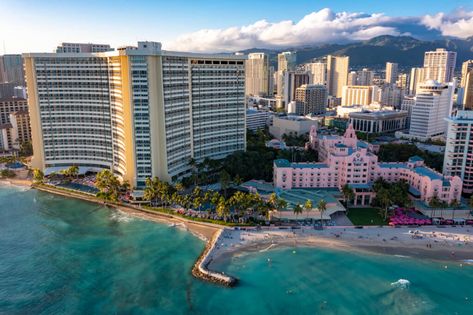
[63,256]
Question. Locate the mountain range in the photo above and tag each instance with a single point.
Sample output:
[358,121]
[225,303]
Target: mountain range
[374,53]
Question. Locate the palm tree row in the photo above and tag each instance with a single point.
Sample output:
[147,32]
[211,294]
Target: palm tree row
[240,205]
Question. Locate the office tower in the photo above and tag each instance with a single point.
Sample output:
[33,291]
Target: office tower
[458,158]
[271,81]
[391,72]
[82,48]
[468,91]
[11,105]
[439,65]
[257,74]
[359,95]
[318,72]
[293,80]
[311,99]
[391,95]
[402,81]
[467,66]
[416,77]
[138,111]
[337,74]
[364,77]
[433,103]
[11,69]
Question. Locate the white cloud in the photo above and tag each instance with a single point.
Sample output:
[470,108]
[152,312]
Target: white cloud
[322,26]
[457,24]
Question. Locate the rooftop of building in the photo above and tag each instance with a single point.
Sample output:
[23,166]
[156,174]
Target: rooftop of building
[378,114]
[143,48]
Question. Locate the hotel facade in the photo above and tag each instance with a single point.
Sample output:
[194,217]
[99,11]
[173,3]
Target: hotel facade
[138,111]
[346,160]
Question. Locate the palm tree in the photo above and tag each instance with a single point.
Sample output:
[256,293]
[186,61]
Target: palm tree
[322,207]
[224,181]
[222,209]
[38,175]
[348,194]
[108,184]
[297,210]
[273,199]
[308,206]
[384,197]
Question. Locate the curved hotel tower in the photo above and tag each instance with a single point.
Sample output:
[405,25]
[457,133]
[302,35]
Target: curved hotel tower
[139,111]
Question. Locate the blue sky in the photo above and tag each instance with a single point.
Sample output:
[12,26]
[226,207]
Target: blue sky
[34,25]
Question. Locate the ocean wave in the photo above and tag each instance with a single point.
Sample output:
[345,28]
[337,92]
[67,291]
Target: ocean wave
[121,217]
[401,283]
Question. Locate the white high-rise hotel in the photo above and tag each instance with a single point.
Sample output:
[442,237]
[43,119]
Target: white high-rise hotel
[139,111]
[439,65]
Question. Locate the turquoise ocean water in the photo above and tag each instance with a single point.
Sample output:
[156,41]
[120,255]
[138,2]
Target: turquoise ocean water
[63,256]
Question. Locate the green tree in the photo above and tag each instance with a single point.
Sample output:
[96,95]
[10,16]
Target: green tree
[222,209]
[38,176]
[384,197]
[322,207]
[108,184]
[348,194]
[308,206]
[297,210]
[224,181]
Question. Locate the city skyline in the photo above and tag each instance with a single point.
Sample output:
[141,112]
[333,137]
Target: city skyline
[215,26]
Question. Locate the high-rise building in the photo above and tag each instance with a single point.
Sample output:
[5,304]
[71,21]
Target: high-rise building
[364,77]
[318,72]
[337,74]
[416,77]
[391,95]
[311,99]
[458,158]
[403,81]
[439,65]
[468,91]
[138,111]
[82,48]
[293,80]
[11,105]
[352,78]
[433,103]
[391,72]
[257,75]
[359,95]
[467,66]
[407,104]
[11,69]
[21,130]
[286,61]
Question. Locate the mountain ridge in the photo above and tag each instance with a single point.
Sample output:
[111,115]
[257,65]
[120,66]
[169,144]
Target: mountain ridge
[405,50]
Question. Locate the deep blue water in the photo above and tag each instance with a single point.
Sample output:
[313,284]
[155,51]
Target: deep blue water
[63,256]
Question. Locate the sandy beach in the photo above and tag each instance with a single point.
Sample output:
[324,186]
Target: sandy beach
[448,243]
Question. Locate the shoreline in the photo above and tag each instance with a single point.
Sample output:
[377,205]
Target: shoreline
[447,244]
[446,247]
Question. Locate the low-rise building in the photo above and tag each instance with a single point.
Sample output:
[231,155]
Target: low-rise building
[350,161]
[257,119]
[290,124]
[378,121]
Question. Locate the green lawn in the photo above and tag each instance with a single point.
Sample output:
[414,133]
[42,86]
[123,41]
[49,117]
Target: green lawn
[365,216]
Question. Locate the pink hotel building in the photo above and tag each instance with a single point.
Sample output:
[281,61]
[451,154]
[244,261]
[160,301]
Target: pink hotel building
[347,160]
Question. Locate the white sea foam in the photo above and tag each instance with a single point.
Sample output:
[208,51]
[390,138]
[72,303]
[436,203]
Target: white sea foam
[121,217]
[401,283]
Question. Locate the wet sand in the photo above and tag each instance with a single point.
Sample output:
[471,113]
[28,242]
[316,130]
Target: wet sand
[443,244]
